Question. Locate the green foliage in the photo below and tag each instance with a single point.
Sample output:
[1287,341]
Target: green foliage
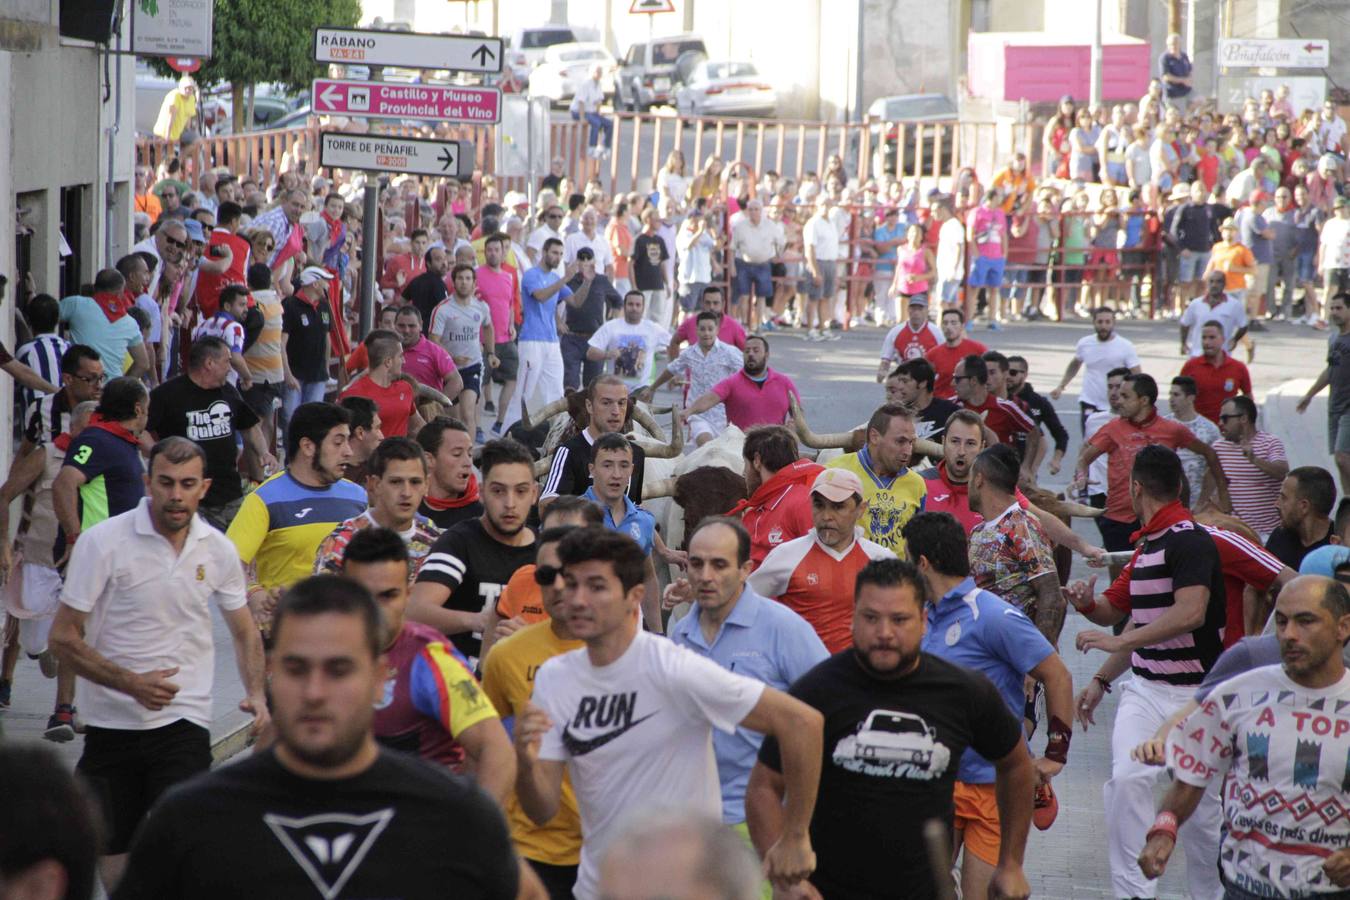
[258,41]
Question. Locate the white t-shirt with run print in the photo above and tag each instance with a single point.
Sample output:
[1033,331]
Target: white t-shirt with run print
[1284,749]
[637,734]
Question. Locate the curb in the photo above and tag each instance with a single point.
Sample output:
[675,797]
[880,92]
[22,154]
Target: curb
[231,743]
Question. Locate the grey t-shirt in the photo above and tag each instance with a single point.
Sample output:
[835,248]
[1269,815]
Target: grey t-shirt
[1192,463]
[1286,241]
[1338,364]
[1250,225]
[458,329]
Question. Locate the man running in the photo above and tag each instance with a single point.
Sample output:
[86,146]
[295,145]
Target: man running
[891,489]
[452,483]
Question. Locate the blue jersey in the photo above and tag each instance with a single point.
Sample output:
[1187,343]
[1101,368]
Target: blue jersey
[975,629]
[637,523]
[540,317]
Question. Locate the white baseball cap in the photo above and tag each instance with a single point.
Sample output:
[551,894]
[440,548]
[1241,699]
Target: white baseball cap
[312,274]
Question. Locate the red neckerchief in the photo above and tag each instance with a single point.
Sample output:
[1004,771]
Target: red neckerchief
[1152,417]
[62,441]
[114,306]
[802,471]
[469,496]
[1163,519]
[334,228]
[97,421]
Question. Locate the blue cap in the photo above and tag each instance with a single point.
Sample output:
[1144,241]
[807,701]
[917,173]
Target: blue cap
[1324,560]
[194,230]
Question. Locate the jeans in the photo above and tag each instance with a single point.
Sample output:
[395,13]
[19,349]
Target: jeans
[598,124]
[578,371]
[310,392]
[1286,271]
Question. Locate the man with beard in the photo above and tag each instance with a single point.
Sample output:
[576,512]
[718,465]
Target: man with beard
[471,563]
[1099,353]
[948,483]
[631,719]
[892,490]
[1041,410]
[427,362]
[462,324]
[326,809]
[1004,418]
[1268,733]
[428,289]
[135,625]
[955,346]
[873,804]
[607,410]
[452,485]
[280,525]
[756,395]
[778,482]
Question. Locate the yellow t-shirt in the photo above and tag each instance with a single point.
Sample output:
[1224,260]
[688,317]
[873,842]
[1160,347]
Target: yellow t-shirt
[177,111]
[508,680]
[889,505]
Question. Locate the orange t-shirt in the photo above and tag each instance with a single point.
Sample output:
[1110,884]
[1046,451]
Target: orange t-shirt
[1224,256]
[522,597]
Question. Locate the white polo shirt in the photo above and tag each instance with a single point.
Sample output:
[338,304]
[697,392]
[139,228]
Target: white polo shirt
[149,608]
[1231,313]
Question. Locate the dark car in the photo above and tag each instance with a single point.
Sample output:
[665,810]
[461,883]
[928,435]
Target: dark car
[921,118]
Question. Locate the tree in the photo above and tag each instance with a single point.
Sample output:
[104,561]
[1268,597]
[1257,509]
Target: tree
[260,41]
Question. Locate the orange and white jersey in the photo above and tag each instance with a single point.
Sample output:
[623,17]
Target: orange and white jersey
[816,582]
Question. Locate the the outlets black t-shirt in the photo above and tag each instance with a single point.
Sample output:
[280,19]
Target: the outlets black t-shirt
[210,417]
[892,749]
[401,829]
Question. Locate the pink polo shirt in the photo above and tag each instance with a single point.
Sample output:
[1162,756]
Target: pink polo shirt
[497,290]
[729,332]
[749,403]
[428,362]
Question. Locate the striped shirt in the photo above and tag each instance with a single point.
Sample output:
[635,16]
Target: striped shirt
[1180,556]
[42,355]
[1253,492]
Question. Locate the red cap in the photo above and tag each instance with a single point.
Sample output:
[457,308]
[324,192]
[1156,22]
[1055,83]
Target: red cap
[1258,196]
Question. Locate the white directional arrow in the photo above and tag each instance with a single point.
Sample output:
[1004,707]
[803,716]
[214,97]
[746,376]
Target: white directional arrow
[330,95]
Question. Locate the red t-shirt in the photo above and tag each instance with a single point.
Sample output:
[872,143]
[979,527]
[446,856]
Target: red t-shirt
[944,360]
[1215,384]
[395,403]
[1243,563]
[1004,417]
[1121,440]
[210,284]
[402,264]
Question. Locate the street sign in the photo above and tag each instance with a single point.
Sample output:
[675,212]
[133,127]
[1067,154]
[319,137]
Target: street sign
[183,63]
[171,28]
[384,153]
[1250,53]
[392,100]
[462,53]
[650,7]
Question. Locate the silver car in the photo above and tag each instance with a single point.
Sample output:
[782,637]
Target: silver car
[726,87]
[566,66]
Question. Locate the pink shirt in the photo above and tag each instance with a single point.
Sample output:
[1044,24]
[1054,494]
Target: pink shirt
[750,403]
[428,362]
[496,290]
[989,226]
[729,332]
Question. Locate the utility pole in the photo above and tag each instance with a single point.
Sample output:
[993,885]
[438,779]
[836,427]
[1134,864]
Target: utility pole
[1174,16]
[1096,93]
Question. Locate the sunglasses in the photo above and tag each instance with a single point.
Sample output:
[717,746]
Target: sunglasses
[173,242]
[1225,418]
[1017,371]
[546,575]
[961,377]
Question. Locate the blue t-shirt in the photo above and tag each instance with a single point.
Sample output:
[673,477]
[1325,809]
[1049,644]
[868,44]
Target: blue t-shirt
[765,640]
[1178,66]
[886,259]
[110,340]
[975,629]
[637,523]
[112,467]
[540,321]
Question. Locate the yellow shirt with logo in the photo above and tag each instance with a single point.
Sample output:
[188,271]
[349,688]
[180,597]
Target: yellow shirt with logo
[890,502]
[508,680]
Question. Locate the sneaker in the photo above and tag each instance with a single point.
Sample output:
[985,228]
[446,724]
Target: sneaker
[61,725]
[995,326]
[478,437]
[1046,807]
[831,336]
[767,326]
[497,429]
[813,335]
[5,689]
[488,407]
[1256,325]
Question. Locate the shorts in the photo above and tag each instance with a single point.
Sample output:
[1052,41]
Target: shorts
[1192,264]
[262,396]
[220,517]
[1117,173]
[1307,267]
[976,817]
[1103,265]
[558,880]
[826,289]
[700,425]
[753,275]
[508,359]
[987,272]
[1338,433]
[1259,282]
[129,770]
[1335,280]
[473,377]
[1116,535]
[949,292]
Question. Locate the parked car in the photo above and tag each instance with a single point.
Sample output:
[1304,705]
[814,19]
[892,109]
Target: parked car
[270,103]
[647,77]
[930,114]
[724,87]
[528,46]
[566,66]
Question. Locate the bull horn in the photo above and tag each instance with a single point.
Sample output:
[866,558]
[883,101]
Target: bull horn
[925,447]
[1072,508]
[660,410]
[662,487]
[644,418]
[544,413]
[669,450]
[541,466]
[842,440]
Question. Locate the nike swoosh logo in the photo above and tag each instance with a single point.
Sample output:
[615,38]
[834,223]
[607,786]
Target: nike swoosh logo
[577,747]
